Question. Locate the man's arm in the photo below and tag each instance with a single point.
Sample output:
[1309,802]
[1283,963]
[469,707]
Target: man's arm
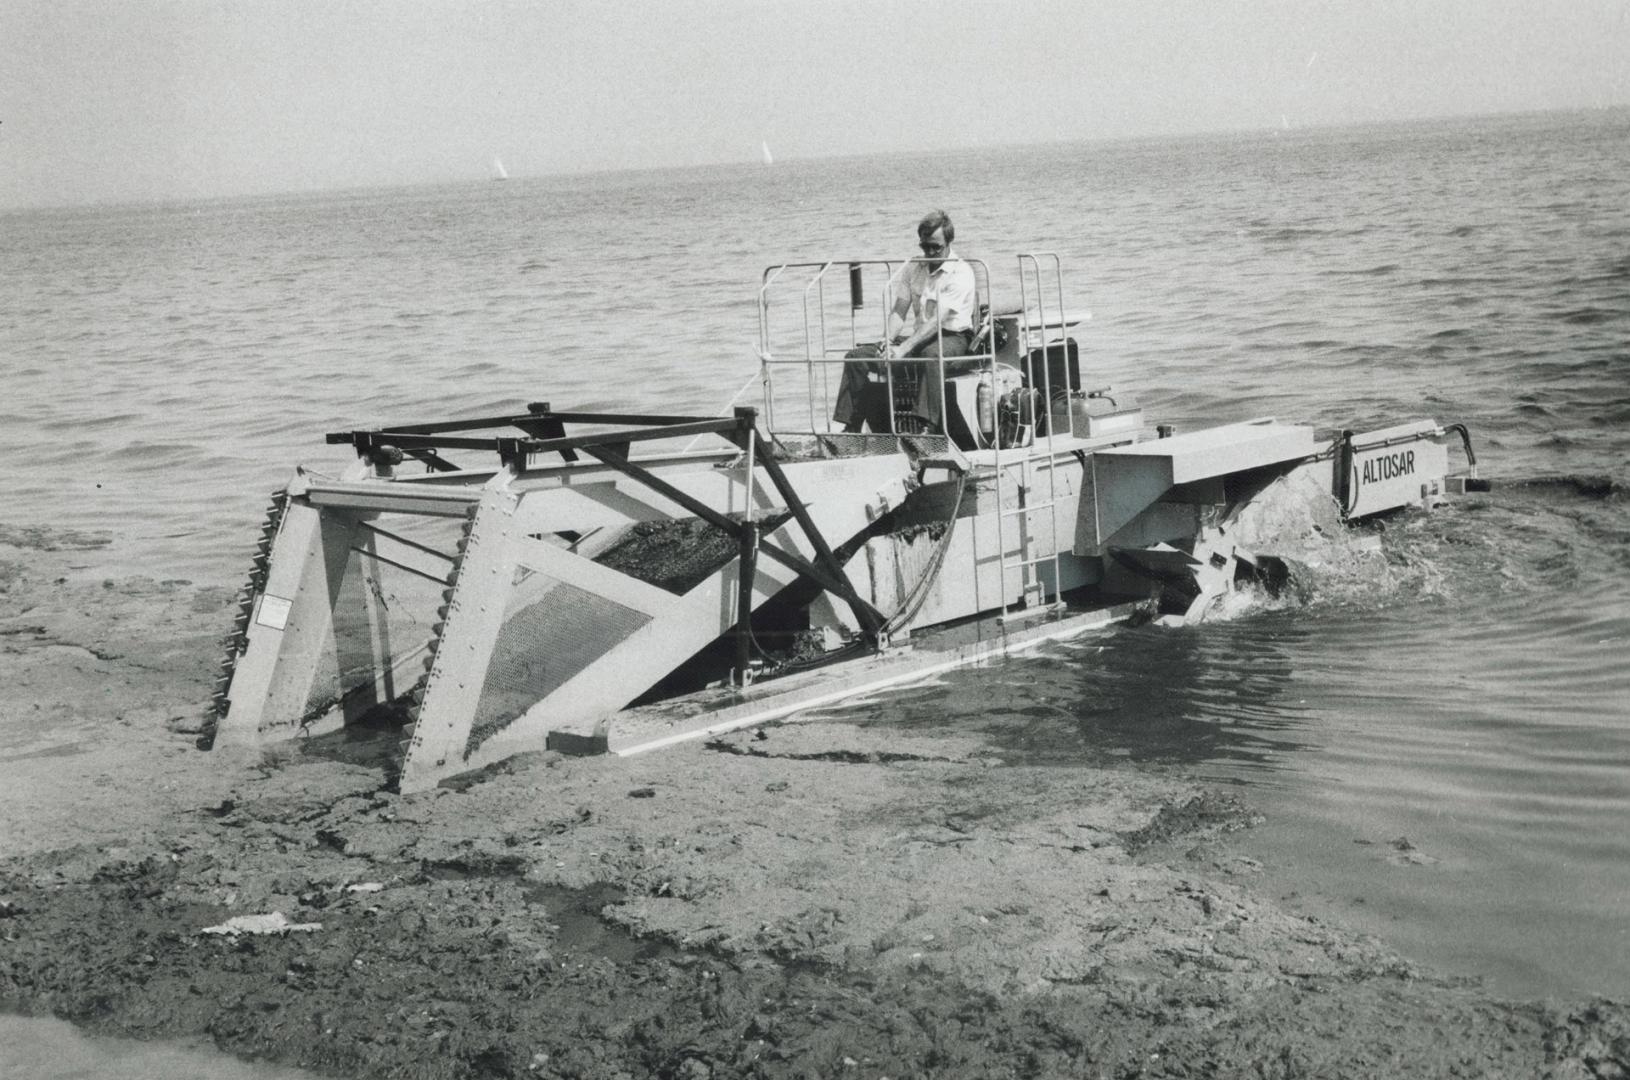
[905,298]
[929,331]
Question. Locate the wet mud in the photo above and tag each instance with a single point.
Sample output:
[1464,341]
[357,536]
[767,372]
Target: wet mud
[805,900]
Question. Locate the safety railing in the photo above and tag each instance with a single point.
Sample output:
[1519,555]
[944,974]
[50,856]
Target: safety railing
[816,319]
[836,325]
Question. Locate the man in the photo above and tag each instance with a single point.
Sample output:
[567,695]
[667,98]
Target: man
[940,289]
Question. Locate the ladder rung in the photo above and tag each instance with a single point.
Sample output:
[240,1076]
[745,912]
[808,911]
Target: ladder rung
[1019,563]
[1027,509]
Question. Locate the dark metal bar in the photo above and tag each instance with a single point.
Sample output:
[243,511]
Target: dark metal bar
[405,542]
[404,440]
[869,617]
[433,427]
[612,438]
[636,419]
[364,440]
[414,570]
[436,462]
[545,426]
[513,419]
[745,572]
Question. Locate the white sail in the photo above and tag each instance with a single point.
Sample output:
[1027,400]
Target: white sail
[768,158]
[498,171]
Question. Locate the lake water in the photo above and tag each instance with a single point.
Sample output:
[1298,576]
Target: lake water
[1441,740]
[39,1048]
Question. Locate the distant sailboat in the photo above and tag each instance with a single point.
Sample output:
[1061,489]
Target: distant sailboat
[498,172]
[769,159]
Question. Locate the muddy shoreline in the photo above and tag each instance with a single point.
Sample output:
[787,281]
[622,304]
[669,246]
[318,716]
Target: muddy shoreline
[807,900]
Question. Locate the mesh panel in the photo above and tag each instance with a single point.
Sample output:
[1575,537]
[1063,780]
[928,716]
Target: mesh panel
[551,632]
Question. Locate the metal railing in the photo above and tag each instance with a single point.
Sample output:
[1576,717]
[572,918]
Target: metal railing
[822,338]
[833,315]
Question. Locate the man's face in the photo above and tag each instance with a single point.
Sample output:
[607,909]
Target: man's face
[934,246]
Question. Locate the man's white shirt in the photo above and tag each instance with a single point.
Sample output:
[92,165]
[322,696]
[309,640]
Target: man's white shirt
[950,288]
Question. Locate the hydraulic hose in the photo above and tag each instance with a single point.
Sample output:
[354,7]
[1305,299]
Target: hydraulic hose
[919,592]
[912,604]
[1466,443]
[1344,471]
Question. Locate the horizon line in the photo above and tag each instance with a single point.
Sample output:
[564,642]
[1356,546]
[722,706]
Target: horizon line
[755,160]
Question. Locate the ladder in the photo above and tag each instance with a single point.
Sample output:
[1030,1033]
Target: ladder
[1018,478]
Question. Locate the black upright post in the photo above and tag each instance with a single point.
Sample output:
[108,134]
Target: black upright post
[744,602]
[870,620]
[746,431]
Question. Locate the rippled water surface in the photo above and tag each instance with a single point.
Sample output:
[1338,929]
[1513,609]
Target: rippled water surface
[1440,736]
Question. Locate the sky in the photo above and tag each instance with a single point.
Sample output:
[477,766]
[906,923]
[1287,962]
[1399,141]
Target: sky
[132,100]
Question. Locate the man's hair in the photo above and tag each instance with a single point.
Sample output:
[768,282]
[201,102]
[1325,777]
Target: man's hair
[936,219]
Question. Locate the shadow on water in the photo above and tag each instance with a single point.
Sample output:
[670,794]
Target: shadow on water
[1466,611]
[1196,695]
[1146,694]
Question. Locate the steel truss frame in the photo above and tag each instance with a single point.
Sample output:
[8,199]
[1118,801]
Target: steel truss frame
[546,433]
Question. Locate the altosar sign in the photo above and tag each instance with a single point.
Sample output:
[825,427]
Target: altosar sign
[1391,475]
[1387,467]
